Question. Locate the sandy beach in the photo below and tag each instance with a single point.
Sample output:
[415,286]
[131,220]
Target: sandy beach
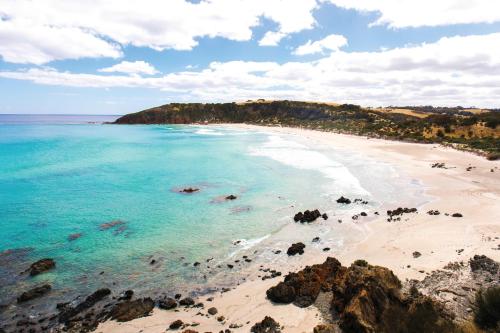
[469,185]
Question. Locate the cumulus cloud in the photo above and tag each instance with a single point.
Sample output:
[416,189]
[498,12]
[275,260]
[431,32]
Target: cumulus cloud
[329,43]
[135,67]
[271,38]
[45,30]
[461,70]
[411,13]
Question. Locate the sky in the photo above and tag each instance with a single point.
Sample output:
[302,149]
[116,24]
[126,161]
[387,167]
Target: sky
[116,57]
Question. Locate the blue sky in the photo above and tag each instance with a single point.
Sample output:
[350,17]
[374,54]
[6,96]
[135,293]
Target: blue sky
[63,57]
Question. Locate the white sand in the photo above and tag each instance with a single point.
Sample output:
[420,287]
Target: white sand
[475,194]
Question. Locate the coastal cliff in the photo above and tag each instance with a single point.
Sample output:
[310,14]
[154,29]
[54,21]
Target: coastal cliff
[469,129]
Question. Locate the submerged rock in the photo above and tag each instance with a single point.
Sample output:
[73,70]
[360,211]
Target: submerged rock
[231,197]
[190,190]
[267,325]
[130,310]
[75,236]
[297,248]
[42,266]
[34,293]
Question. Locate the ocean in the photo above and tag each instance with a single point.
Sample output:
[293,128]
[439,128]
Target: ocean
[103,201]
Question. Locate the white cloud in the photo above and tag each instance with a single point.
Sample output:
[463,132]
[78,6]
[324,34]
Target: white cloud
[45,30]
[329,43]
[136,67]
[461,70]
[412,13]
[271,38]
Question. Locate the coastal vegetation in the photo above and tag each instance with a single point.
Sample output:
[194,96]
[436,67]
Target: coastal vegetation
[462,128]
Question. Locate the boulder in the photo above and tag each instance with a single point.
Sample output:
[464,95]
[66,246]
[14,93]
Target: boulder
[267,325]
[212,311]
[41,266]
[130,310]
[416,254]
[231,197]
[456,215]
[343,200]
[296,248]
[188,301]
[308,216]
[176,324]
[34,293]
[167,303]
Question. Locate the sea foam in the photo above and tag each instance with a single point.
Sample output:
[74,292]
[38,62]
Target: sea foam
[304,157]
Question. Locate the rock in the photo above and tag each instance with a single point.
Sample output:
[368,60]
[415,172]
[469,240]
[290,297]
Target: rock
[296,248]
[188,301]
[267,325]
[363,214]
[212,311]
[189,331]
[131,310]
[416,254]
[433,212]
[326,249]
[176,324]
[34,293]
[41,266]
[152,262]
[75,236]
[343,200]
[394,215]
[68,312]
[221,318]
[324,216]
[177,296]
[190,190]
[315,239]
[302,288]
[127,295]
[308,216]
[196,264]
[230,266]
[483,263]
[231,197]
[456,215]
[167,303]
[324,328]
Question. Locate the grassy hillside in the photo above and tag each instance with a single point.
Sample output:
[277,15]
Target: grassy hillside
[464,129]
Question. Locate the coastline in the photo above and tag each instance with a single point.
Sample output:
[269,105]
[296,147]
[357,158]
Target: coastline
[437,238]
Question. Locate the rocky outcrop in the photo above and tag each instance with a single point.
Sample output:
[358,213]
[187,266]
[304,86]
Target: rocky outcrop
[68,313]
[34,293]
[267,325]
[296,248]
[309,216]
[42,266]
[130,310]
[483,263]
[364,299]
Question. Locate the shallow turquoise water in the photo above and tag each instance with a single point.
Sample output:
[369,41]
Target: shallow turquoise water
[58,180]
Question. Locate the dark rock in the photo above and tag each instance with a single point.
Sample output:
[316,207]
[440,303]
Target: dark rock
[363,214]
[75,236]
[190,190]
[188,301]
[176,324]
[433,212]
[34,293]
[483,263]
[212,311]
[127,295]
[324,216]
[324,328]
[326,249]
[267,325]
[167,303]
[296,248]
[394,215]
[416,254]
[231,197]
[302,288]
[457,215]
[177,296]
[41,266]
[131,310]
[343,200]
[221,318]
[67,312]
[230,266]
[308,216]
[196,264]
[152,262]
[315,239]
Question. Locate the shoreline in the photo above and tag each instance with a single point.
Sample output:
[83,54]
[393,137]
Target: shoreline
[440,239]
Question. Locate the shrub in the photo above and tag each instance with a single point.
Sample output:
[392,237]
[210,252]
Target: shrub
[487,314]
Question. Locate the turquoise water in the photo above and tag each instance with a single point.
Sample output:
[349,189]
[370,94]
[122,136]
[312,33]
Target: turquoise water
[62,179]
